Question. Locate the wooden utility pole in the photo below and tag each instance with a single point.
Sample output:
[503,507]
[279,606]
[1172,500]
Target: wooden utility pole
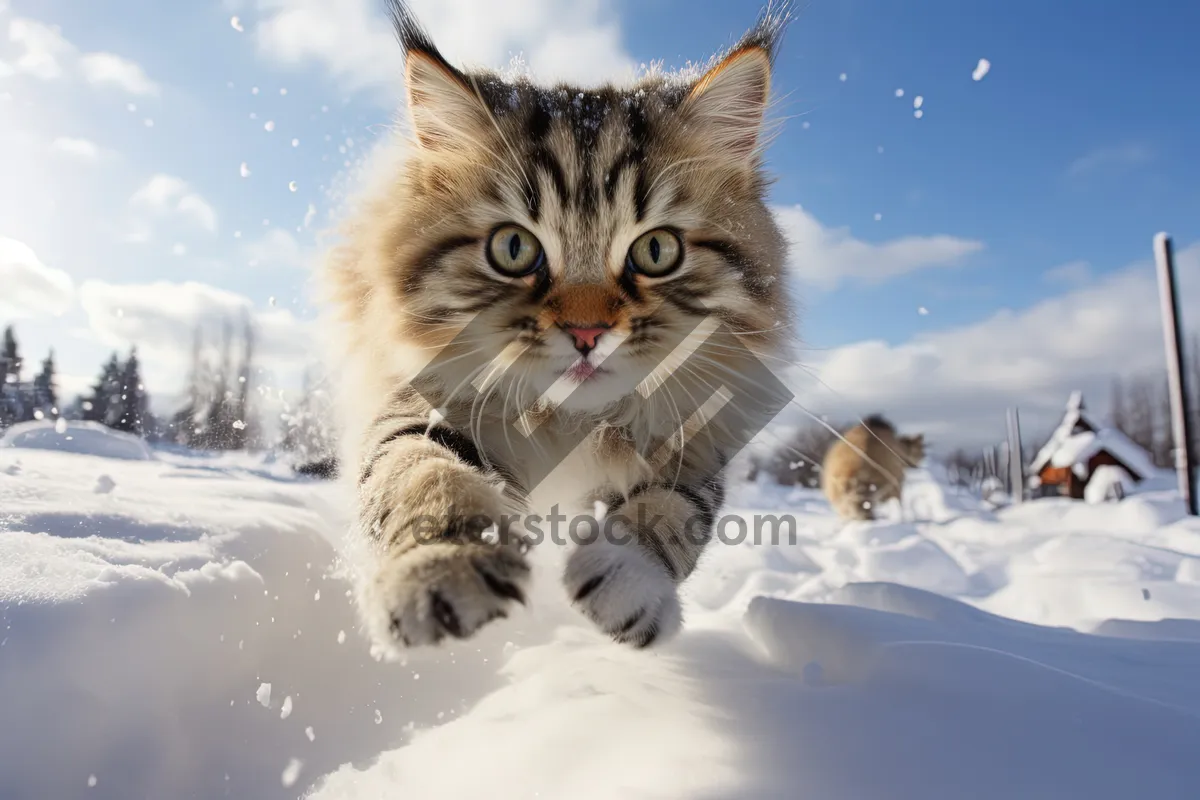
[1185,457]
[1016,464]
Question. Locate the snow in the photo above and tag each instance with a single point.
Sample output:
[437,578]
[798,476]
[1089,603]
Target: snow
[946,650]
[291,772]
[89,438]
[1108,482]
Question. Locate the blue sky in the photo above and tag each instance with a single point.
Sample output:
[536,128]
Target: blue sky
[1015,207]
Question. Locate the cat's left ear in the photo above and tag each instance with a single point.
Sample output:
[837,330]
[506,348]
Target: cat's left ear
[729,102]
[447,112]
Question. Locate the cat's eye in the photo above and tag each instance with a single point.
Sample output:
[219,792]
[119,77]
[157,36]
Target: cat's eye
[656,253]
[514,251]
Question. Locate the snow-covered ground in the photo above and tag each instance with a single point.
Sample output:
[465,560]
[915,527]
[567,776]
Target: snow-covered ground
[179,627]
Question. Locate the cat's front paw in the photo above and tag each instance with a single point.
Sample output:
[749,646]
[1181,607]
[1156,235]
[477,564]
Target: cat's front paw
[625,591]
[444,589]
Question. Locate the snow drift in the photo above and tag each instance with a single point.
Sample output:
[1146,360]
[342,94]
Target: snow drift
[85,438]
[180,627]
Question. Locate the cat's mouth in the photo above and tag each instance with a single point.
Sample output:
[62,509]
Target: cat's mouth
[584,385]
[583,370]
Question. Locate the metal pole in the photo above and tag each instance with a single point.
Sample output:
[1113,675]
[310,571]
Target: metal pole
[1016,465]
[1185,461]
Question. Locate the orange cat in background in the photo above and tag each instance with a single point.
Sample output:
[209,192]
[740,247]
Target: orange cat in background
[866,467]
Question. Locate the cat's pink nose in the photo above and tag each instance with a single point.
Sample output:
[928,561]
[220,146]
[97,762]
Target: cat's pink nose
[585,337]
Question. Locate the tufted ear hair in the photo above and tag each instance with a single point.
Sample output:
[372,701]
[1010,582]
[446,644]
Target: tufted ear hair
[447,112]
[729,101]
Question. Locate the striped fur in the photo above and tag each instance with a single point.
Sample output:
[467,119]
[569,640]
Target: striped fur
[436,434]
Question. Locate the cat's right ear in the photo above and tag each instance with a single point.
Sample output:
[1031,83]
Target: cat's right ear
[446,111]
[729,101]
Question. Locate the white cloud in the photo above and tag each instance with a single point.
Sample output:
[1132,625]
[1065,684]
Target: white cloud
[167,195]
[45,54]
[568,40]
[825,257]
[1110,159]
[277,247]
[106,68]
[30,287]
[956,384]
[81,149]
[162,318]
[159,191]
[197,208]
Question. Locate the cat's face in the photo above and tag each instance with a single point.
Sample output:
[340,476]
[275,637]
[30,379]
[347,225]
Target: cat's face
[583,233]
[913,448]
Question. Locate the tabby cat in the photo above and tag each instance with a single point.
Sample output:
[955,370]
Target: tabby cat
[865,468]
[540,262]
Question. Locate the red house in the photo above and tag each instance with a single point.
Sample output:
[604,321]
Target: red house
[1079,448]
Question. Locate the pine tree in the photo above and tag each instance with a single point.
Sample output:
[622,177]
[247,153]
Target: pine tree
[244,427]
[10,376]
[217,429]
[12,409]
[104,405]
[185,423]
[134,402]
[307,426]
[45,394]
[219,414]
[10,358]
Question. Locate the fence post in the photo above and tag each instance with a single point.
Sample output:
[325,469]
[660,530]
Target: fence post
[1016,463]
[1185,461]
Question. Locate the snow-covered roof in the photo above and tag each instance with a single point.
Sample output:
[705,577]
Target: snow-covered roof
[1078,438]
[1075,421]
[1075,451]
